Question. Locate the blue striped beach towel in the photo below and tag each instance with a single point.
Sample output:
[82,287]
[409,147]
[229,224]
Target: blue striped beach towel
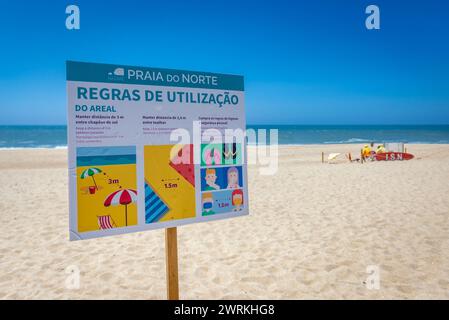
[155,208]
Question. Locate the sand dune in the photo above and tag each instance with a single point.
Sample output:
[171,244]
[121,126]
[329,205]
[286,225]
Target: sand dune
[312,232]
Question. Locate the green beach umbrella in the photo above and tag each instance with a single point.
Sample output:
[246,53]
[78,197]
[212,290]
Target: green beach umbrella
[90,173]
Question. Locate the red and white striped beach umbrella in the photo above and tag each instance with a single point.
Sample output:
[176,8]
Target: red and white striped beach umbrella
[121,197]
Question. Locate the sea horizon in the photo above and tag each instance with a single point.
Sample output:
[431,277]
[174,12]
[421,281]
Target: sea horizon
[55,136]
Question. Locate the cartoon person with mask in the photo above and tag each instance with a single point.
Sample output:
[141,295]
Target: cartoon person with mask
[211,178]
[237,200]
[233,178]
[208,202]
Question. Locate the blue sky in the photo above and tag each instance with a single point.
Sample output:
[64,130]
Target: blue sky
[304,62]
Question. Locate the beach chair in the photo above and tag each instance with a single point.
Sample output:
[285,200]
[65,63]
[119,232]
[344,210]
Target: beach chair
[106,222]
[332,158]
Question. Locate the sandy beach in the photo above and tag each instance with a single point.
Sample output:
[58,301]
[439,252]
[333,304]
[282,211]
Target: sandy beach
[312,231]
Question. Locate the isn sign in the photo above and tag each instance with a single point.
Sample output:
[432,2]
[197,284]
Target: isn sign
[153,148]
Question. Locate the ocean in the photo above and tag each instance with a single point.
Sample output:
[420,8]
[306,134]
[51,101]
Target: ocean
[340,134]
[56,136]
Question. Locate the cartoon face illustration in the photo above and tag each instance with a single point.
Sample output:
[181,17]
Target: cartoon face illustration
[233,178]
[211,178]
[208,202]
[237,199]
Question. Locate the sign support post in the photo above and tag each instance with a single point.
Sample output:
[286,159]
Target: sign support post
[171,260]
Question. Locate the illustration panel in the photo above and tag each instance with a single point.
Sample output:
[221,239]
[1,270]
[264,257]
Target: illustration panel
[220,178]
[106,187]
[221,154]
[169,182]
[222,202]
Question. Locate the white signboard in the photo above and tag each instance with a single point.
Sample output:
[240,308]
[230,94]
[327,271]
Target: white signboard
[153,148]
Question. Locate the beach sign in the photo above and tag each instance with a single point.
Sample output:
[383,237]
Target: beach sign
[129,169]
[153,148]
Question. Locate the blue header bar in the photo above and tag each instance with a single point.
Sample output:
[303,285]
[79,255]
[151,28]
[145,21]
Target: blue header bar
[113,73]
